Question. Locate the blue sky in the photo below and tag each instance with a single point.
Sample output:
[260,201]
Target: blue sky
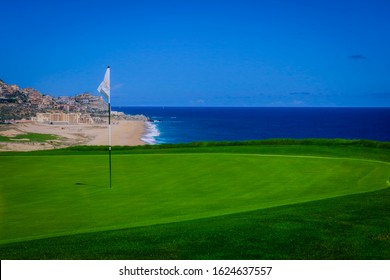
[202,53]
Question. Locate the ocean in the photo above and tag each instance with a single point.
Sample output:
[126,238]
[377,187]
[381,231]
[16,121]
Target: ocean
[192,124]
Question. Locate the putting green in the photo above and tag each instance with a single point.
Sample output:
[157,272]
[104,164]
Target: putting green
[43,196]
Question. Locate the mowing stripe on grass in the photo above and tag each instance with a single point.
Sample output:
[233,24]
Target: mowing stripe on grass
[45,196]
[263,155]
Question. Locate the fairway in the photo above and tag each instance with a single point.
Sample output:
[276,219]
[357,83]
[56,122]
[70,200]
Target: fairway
[54,195]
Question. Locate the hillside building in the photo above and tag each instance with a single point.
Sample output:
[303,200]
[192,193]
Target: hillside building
[63,118]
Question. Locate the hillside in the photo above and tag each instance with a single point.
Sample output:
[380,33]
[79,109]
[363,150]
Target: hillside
[23,103]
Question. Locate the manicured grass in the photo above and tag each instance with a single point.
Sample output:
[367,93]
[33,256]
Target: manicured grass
[347,227]
[184,195]
[65,194]
[362,149]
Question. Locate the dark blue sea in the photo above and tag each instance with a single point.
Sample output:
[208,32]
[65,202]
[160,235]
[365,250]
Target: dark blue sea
[191,124]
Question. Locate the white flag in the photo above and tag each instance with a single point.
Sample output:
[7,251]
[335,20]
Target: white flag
[104,87]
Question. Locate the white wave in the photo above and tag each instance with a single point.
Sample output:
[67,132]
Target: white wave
[151,132]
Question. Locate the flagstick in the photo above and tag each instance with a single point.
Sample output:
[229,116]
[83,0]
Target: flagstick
[104,89]
[109,133]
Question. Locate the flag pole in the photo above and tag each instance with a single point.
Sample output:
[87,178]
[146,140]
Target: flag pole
[109,135]
[104,89]
[109,132]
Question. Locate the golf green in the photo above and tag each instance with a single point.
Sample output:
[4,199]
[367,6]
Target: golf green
[54,195]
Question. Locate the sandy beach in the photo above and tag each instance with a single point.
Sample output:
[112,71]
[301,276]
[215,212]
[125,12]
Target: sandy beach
[124,133]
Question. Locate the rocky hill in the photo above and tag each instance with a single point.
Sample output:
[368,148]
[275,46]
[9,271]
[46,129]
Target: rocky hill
[17,103]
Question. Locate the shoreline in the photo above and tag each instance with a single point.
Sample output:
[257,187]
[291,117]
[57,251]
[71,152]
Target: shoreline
[124,133]
[151,131]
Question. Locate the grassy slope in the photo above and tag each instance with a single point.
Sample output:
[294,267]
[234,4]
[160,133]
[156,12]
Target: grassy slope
[239,235]
[348,227]
[69,194]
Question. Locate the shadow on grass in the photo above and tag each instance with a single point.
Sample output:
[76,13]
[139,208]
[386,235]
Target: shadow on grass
[89,185]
